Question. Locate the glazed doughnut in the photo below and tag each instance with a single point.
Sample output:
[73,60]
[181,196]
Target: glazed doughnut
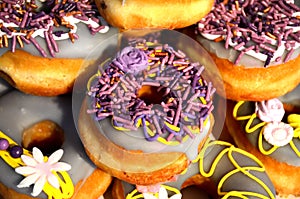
[255,45]
[170,14]
[42,45]
[269,130]
[225,169]
[140,136]
[21,111]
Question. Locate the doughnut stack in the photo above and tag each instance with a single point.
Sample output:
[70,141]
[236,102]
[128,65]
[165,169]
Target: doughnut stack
[42,48]
[255,44]
[97,93]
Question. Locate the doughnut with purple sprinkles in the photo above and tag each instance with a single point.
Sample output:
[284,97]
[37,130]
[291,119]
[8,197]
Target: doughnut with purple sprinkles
[22,21]
[154,87]
[262,29]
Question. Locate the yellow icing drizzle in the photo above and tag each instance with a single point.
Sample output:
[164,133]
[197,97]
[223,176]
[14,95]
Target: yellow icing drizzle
[228,151]
[136,195]
[66,185]
[193,129]
[293,120]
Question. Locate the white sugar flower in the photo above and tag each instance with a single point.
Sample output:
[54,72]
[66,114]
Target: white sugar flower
[162,194]
[38,171]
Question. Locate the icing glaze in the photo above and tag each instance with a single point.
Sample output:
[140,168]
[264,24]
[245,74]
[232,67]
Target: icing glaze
[104,142]
[235,172]
[236,50]
[184,87]
[26,109]
[85,28]
[284,149]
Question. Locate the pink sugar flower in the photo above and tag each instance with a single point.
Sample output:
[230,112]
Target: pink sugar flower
[38,171]
[270,110]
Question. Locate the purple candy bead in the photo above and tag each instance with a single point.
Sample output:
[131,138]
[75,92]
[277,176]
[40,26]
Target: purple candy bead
[16,151]
[4,144]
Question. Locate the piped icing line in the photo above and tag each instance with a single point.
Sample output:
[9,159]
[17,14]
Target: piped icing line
[264,30]
[185,96]
[22,23]
[233,156]
[290,130]
[229,151]
[27,164]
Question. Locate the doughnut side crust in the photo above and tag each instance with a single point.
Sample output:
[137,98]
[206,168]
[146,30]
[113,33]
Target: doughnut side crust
[18,111]
[171,14]
[38,75]
[256,84]
[283,176]
[83,189]
[223,171]
[141,168]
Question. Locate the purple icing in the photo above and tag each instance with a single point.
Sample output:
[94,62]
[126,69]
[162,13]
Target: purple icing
[131,60]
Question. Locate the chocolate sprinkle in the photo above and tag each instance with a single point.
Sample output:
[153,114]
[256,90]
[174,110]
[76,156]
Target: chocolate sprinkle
[23,19]
[268,25]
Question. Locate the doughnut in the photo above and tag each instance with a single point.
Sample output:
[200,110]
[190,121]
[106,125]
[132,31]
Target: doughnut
[229,171]
[43,44]
[255,45]
[170,14]
[269,130]
[133,117]
[46,135]
[20,111]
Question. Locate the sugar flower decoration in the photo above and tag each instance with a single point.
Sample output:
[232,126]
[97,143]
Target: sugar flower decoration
[162,194]
[270,110]
[131,60]
[38,170]
[278,134]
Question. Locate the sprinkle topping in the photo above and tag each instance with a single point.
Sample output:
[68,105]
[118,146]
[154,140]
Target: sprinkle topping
[169,100]
[22,21]
[262,29]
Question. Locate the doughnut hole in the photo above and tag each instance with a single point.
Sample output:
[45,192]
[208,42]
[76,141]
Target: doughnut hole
[153,94]
[46,135]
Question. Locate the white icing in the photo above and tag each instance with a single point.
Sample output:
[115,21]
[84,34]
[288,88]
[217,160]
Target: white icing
[40,32]
[20,111]
[254,58]
[284,153]
[79,49]
[135,140]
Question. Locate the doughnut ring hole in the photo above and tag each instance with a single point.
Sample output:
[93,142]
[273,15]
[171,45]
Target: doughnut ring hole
[153,94]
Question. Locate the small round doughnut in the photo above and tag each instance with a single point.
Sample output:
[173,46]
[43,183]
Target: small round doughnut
[220,171]
[135,119]
[170,14]
[20,111]
[43,45]
[269,130]
[256,52]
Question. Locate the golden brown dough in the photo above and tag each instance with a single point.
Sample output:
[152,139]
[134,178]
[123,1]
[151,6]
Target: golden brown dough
[47,135]
[164,166]
[38,75]
[283,176]
[170,14]
[94,186]
[257,84]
